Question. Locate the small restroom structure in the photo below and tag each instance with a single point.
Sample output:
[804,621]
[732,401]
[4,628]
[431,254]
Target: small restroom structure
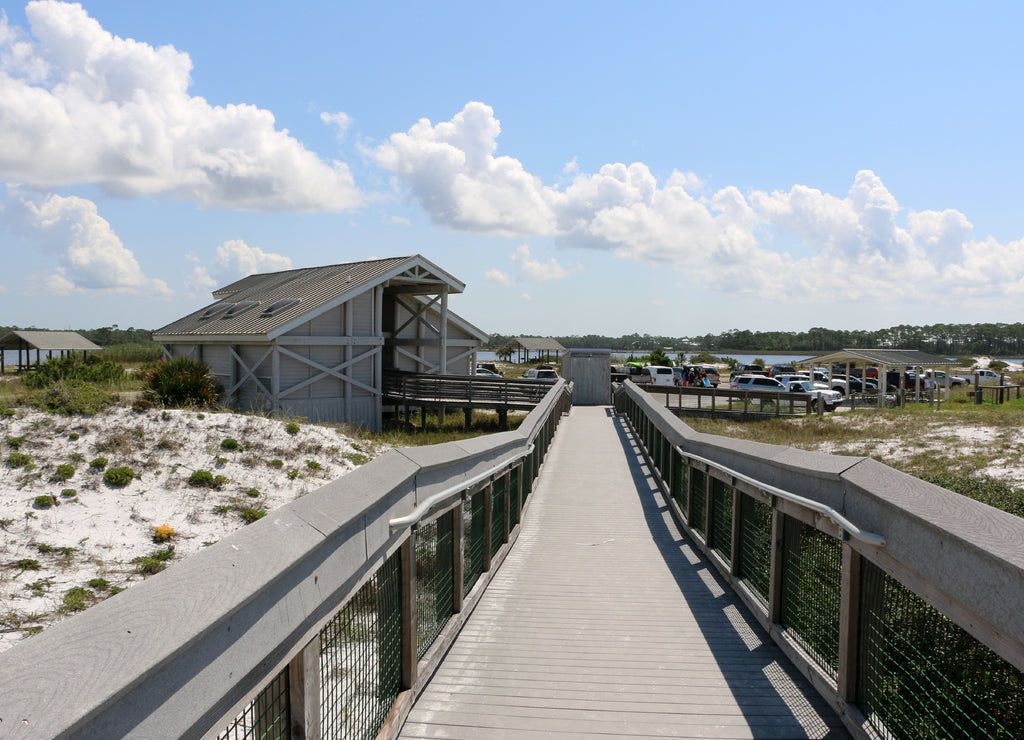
[590,371]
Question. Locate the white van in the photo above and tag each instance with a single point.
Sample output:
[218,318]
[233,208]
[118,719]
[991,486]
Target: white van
[656,375]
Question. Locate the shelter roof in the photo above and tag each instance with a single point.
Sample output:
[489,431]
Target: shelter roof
[266,305]
[539,344]
[47,341]
[883,357]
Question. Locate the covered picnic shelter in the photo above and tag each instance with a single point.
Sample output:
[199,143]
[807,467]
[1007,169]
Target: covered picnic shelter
[885,360]
[41,340]
[543,346]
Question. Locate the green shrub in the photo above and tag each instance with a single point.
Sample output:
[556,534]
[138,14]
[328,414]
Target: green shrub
[292,428]
[63,473]
[142,405]
[229,444]
[18,460]
[206,479]
[254,492]
[250,515]
[119,476]
[7,412]
[99,584]
[44,502]
[76,599]
[155,562]
[74,436]
[356,458]
[72,398]
[27,564]
[98,463]
[15,442]
[181,383]
[68,493]
[276,464]
[76,457]
[312,464]
[89,369]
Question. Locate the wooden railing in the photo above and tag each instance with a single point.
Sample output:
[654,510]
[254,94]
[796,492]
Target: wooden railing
[470,391]
[900,601]
[323,619]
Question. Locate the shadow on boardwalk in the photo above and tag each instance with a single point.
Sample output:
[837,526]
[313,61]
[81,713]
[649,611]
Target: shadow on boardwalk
[739,644]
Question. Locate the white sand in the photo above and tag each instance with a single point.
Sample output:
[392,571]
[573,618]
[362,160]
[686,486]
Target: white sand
[108,526]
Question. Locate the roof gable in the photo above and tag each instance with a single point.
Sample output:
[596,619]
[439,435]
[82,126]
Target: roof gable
[317,289]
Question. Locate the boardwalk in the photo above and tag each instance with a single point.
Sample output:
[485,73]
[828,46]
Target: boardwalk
[603,622]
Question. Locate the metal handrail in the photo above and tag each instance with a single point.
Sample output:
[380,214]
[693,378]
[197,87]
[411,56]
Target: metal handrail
[424,507]
[845,524]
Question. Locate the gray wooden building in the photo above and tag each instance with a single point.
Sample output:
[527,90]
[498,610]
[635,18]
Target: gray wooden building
[315,342]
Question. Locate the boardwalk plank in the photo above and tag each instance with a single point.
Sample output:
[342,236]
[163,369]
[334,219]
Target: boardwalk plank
[604,622]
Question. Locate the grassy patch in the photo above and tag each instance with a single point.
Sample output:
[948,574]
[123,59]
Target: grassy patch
[153,563]
[119,477]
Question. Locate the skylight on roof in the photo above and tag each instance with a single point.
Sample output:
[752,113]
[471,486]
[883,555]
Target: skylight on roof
[239,308]
[279,305]
[215,309]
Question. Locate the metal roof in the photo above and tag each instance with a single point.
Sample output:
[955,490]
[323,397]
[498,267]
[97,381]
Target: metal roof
[47,341]
[539,344]
[317,288]
[883,357]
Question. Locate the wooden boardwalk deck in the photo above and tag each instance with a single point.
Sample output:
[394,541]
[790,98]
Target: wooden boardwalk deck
[604,622]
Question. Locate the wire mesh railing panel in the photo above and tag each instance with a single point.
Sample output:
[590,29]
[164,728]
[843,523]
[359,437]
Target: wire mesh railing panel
[360,657]
[811,576]
[513,498]
[698,501]
[666,456]
[473,540]
[921,675]
[497,514]
[755,545]
[268,716]
[434,580]
[527,474]
[720,519]
[680,479]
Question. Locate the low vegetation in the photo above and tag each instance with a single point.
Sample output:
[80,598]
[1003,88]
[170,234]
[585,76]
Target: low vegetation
[180,383]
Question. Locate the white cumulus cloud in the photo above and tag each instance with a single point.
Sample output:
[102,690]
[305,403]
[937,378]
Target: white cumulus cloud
[339,120]
[859,244]
[497,276]
[80,105]
[233,259]
[89,254]
[532,269]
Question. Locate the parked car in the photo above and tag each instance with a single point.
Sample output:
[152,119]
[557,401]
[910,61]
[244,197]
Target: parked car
[752,370]
[656,375]
[856,385]
[486,373]
[489,366]
[776,370]
[801,377]
[755,383]
[827,398]
[985,377]
[547,376]
[940,377]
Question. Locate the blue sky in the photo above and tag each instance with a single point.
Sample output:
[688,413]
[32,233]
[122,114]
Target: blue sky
[675,169]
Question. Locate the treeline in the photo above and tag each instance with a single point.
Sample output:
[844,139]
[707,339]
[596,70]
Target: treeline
[955,340]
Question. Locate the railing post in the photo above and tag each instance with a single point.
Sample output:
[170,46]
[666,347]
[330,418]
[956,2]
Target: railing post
[409,658]
[775,568]
[304,692]
[508,504]
[488,519]
[708,519]
[737,503]
[458,558]
[849,624]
